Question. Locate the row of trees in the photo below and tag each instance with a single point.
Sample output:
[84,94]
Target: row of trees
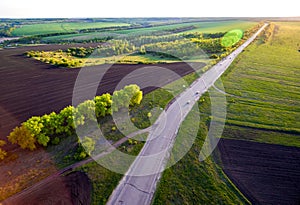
[80,51]
[177,45]
[57,58]
[52,127]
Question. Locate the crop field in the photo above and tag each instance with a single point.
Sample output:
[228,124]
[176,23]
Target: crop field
[265,173]
[205,27]
[260,149]
[222,26]
[264,85]
[38,29]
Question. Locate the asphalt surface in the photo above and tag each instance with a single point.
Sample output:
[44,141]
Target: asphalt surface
[138,185]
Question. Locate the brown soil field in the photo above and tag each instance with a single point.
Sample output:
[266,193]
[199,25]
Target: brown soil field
[29,87]
[264,173]
[72,189]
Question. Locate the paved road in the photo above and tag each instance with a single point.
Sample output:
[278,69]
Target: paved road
[139,183]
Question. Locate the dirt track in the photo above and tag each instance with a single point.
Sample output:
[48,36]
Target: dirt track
[265,173]
[29,87]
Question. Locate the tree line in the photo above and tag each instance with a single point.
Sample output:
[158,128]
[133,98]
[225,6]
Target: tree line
[51,128]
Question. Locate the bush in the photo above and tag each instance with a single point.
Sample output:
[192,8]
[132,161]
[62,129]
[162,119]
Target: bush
[23,137]
[65,122]
[35,126]
[103,105]
[87,110]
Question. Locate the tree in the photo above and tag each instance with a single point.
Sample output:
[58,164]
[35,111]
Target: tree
[87,110]
[137,98]
[49,124]
[43,139]
[67,119]
[103,105]
[129,96]
[23,137]
[35,126]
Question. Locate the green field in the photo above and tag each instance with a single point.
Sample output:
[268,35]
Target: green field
[79,36]
[264,87]
[205,27]
[47,28]
[222,26]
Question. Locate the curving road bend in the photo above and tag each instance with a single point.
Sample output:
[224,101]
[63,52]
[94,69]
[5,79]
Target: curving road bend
[138,185]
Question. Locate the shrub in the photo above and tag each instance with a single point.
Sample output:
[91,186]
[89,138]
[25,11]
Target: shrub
[67,119]
[87,110]
[35,126]
[23,137]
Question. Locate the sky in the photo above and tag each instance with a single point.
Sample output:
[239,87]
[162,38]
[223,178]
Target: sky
[147,8]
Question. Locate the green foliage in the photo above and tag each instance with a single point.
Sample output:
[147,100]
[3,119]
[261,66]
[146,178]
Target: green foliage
[66,123]
[57,58]
[103,105]
[49,123]
[134,92]
[55,141]
[51,127]
[89,144]
[23,137]
[129,96]
[35,126]
[87,110]
[80,153]
[7,31]
[43,139]
[186,46]
[84,148]
[80,52]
